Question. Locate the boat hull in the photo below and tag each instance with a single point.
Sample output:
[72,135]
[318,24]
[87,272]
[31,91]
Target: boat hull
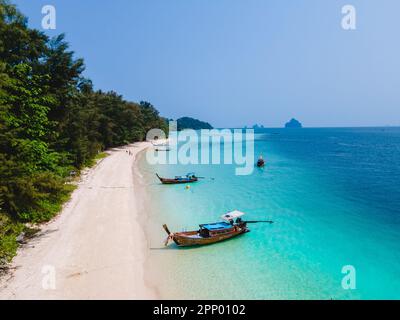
[260,164]
[176,181]
[189,239]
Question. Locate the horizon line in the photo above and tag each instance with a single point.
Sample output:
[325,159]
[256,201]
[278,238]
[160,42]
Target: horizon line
[317,127]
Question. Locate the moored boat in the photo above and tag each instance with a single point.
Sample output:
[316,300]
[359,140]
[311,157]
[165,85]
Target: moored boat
[260,162]
[189,178]
[212,232]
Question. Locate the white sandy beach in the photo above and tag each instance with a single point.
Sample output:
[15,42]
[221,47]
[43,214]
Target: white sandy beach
[96,246]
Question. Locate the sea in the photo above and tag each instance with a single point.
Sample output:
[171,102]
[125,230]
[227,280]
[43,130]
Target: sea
[334,197]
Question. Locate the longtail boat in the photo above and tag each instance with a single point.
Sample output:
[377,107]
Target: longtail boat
[213,232]
[260,162]
[189,178]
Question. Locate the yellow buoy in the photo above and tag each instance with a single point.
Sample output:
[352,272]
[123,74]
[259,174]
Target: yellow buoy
[187,187]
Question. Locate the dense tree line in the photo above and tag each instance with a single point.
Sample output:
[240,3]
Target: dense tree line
[52,122]
[191,123]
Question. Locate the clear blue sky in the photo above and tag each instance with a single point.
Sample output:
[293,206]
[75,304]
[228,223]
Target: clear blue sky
[240,62]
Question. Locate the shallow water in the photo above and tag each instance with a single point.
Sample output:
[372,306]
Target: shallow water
[335,200]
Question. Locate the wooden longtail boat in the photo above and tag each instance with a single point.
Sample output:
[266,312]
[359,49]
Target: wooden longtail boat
[210,233]
[189,178]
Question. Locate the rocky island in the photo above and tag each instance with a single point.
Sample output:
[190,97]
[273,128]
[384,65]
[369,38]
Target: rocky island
[293,124]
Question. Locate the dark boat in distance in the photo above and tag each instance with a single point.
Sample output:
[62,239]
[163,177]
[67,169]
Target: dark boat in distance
[189,178]
[210,233]
[260,162]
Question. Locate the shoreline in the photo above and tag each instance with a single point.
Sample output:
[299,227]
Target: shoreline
[96,247]
[144,205]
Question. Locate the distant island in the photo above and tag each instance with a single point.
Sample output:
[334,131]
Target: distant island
[258,127]
[191,123]
[293,124]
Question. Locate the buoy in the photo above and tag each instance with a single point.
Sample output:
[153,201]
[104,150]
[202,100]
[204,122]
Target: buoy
[187,187]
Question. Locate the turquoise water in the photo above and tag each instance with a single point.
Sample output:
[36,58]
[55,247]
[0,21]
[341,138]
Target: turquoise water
[334,196]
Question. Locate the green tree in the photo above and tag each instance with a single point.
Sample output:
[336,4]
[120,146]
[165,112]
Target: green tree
[51,122]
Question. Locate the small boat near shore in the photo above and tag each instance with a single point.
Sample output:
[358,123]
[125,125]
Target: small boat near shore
[212,232]
[162,144]
[189,178]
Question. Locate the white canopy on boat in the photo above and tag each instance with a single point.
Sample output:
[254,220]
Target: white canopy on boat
[232,215]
